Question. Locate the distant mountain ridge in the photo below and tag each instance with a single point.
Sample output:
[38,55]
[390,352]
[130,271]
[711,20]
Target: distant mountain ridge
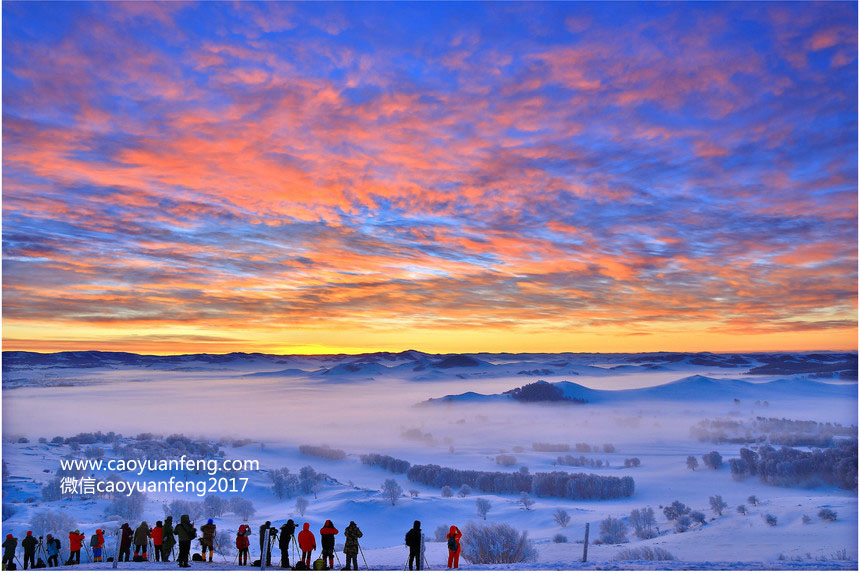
[691,388]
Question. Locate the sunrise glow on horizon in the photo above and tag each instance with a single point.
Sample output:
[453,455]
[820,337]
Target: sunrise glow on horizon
[447,177]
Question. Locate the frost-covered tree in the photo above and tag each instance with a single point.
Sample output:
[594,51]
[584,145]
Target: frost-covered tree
[94,452]
[9,510]
[301,505]
[242,507]
[391,491]
[717,504]
[447,491]
[440,533]
[752,500]
[47,521]
[613,530]
[643,522]
[683,523]
[770,519]
[675,510]
[496,543]
[742,509]
[284,484]
[697,517]
[215,506]
[223,543]
[413,493]
[128,507]
[464,490]
[526,500]
[52,491]
[713,460]
[483,507]
[692,463]
[561,517]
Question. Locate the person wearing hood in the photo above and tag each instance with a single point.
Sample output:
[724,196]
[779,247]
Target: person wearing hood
[52,550]
[288,532]
[307,543]
[208,540]
[243,542]
[28,544]
[185,533]
[125,542]
[76,538]
[97,542]
[157,536]
[168,540]
[350,546]
[327,534]
[10,544]
[141,539]
[453,539]
[414,541]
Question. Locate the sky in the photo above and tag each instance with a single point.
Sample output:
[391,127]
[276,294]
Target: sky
[450,177]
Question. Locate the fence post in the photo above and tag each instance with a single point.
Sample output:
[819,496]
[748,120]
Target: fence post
[585,546]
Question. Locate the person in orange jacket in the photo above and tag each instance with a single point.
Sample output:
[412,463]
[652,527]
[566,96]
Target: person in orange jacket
[97,542]
[76,538]
[327,534]
[157,536]
[453,537]
[307,543]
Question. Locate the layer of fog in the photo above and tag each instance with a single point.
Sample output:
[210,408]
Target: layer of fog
[370,415]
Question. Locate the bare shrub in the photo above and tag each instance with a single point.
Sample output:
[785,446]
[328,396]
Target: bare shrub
[827,515]
[613,530]
[643,554]
[496,543]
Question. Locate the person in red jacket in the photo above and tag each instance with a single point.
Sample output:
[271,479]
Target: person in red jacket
[75,540]
[453,537]
[307,543]
[327,534]
[157,535]
[243,543]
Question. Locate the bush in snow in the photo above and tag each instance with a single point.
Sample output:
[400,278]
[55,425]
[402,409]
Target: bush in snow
[559,538]
[128,507]
[827,515]
[608,448]
[440,533]
[447,491]
[58,440]
[55,522]
[717,504]
[582,447]
[413,493]
[632,463]
[683,523]
[483,507]
[506,460]
[742,509]
[644,554]
[561,517]
[94,452]
[613,530]
[391,491]
[464,490]
[496,543]
[791,467]
[752,500]
[713,460]
[242,507]
[806,519]
[643,522]
[692,463]
[770,519]
[301,505]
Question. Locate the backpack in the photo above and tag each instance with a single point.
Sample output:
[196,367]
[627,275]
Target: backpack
[319,565]
[452,544]
[300,566]
[39,564]
[94,540]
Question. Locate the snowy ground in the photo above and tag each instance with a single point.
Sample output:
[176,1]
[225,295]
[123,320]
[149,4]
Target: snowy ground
[368,411]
